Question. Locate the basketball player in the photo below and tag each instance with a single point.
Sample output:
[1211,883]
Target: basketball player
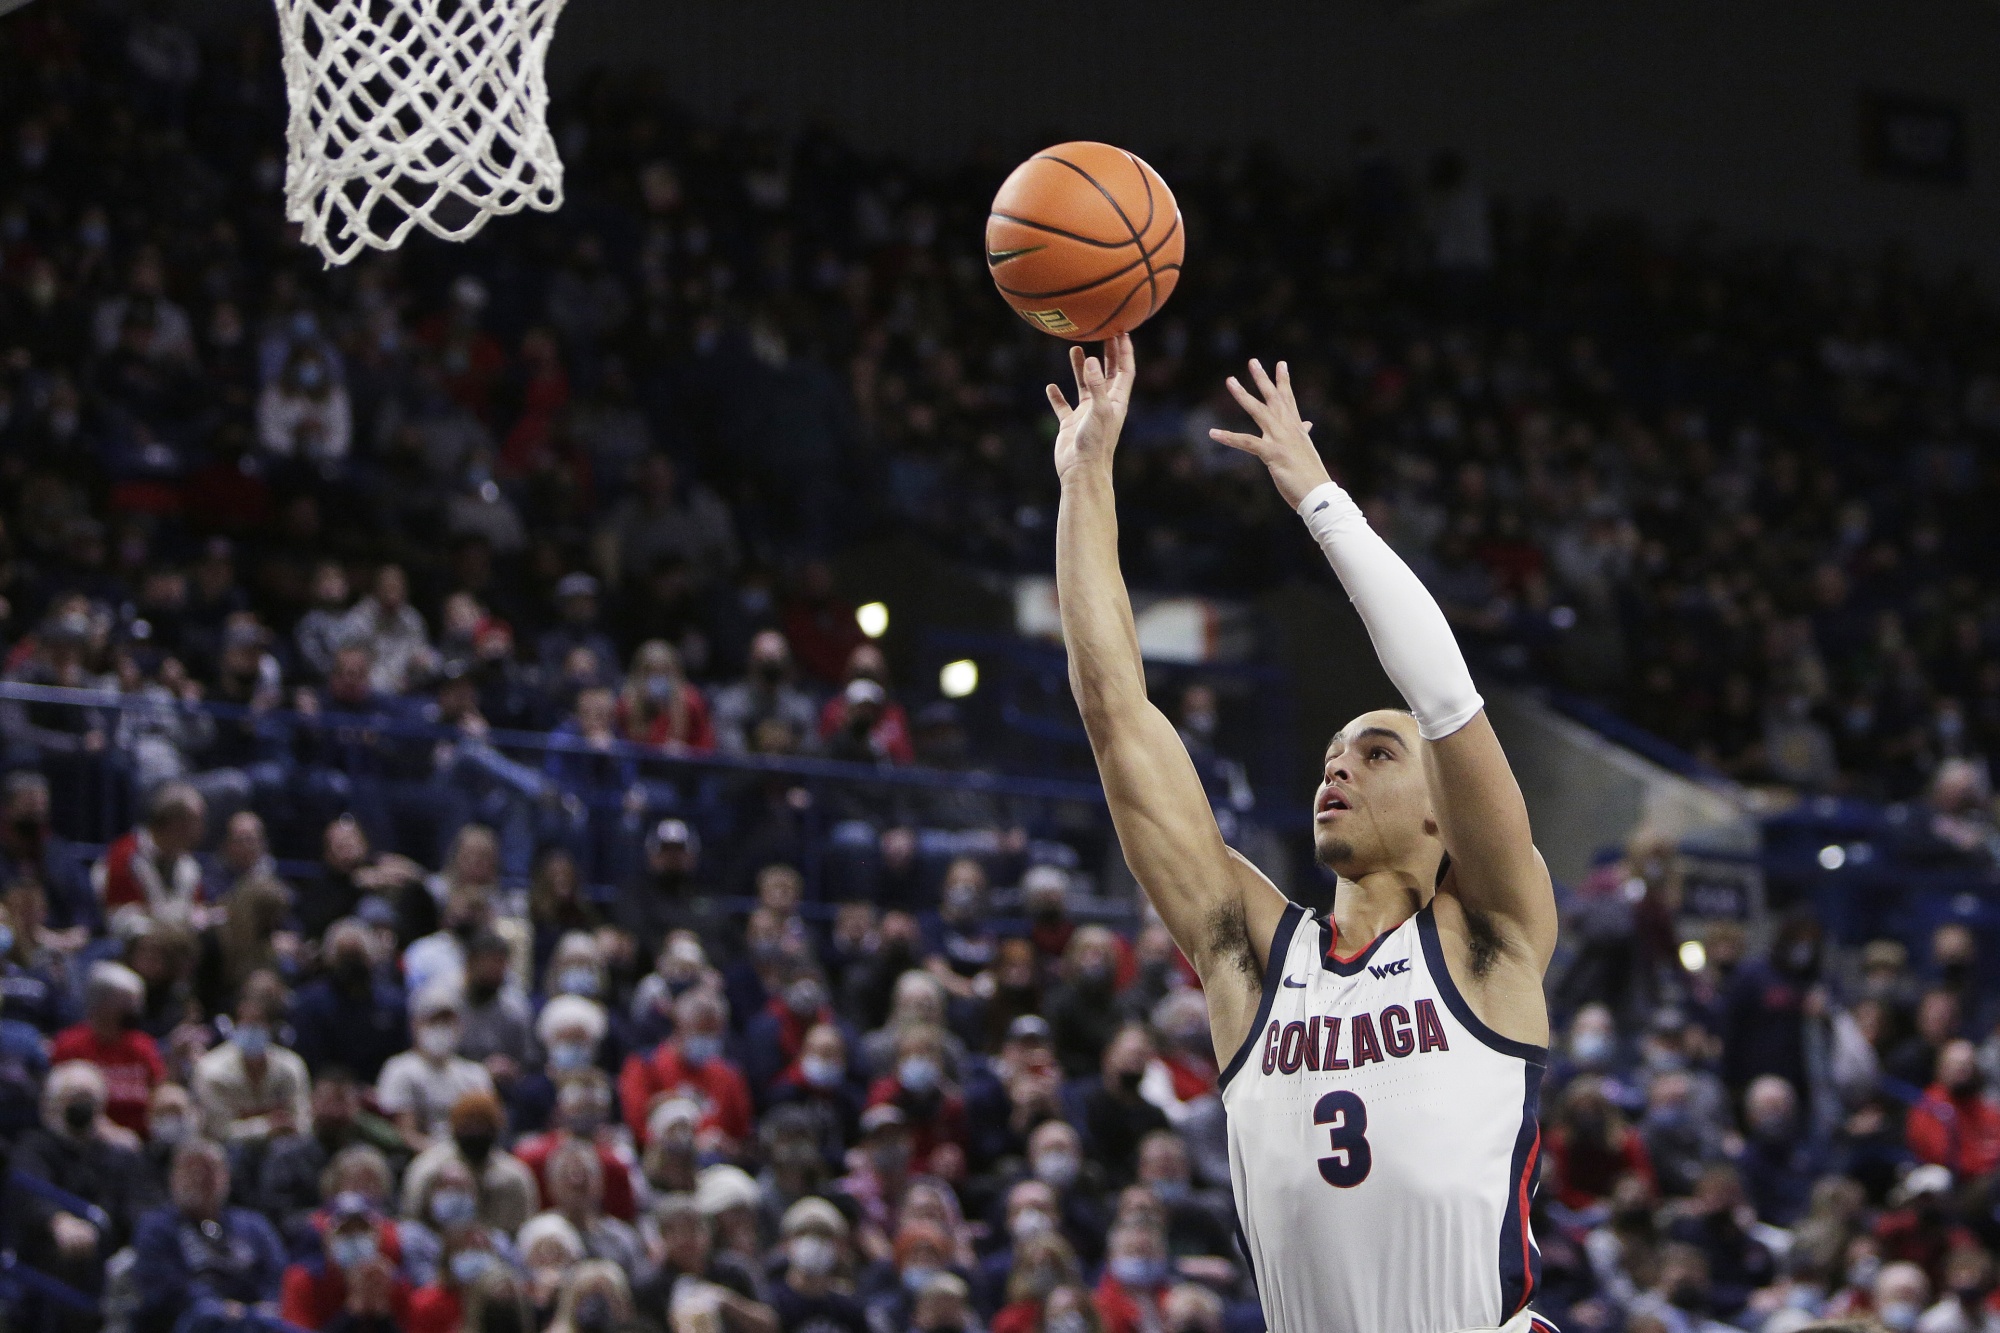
[1382,1066]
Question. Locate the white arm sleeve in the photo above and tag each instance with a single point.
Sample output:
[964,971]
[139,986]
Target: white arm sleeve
[1412,639]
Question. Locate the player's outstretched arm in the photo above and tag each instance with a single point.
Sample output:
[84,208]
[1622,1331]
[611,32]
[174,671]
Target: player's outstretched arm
[1481,816]
[1219,908]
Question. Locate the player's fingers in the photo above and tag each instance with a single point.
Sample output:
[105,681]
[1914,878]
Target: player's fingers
[1264,385]
[1076,360]
[1059,403]
[1306,426]
[1248,401]
[1285,385]
[1121,349]
[1093,372]
[1236,439]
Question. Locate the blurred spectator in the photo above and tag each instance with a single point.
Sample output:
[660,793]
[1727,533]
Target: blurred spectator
[659,707]
[127,1058]
[766,693]
[692,1059]
[420,1088]
[153,868]
[200,1257]
[78,1151]
[1957,1125]
[250,1089]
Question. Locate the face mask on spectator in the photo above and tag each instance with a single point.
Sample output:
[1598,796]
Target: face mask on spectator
[352,1251]
[1591,1048]
[1862,1272]
[1172,1192]
[565,1056]
[1056,1169]
[474,1145]
[659,689]
[577,981]
[168,1130]
[1130,1270]
[917,1276]
[803,998]
[1066,1321]
[699,1048]
[1898,1316]
[815,1256]
[1095,971]
[820,1071]
[79,1115]
[437,1040]
[917,1073]
[6,939]
[253,1040]
[1030,1223]
[468,1266]
[451,1207]
[961,899]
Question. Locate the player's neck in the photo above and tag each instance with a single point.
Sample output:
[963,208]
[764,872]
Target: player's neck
[1375,904]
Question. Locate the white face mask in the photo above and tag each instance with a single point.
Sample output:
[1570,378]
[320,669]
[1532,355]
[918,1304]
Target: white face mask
[814,1255]
[437,1040]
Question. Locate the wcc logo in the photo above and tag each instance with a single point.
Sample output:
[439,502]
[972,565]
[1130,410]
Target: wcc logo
[1395,969]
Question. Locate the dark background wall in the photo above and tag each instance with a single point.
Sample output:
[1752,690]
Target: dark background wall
[1678,110]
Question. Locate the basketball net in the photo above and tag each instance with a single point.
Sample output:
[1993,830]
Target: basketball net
[408,113]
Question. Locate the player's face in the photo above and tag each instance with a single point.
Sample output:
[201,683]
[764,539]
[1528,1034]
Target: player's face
[1373,806]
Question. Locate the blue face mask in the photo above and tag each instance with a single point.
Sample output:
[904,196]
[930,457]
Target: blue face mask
[699,1050]
[449,1208]
[577,981]
[352,1251]
[566,1056]
[1172,1192]
[819,1071]
[468,1266]
[6,939]
[917,1276]
[1132,1271]
[918,1073]
[254,1041]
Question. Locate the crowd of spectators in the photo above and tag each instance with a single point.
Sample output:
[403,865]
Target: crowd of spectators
[585,477]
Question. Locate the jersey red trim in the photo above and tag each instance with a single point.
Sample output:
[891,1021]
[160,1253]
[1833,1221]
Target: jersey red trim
[1527,1239]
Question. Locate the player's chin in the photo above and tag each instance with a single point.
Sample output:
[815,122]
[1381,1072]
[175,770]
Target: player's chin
[1331,850]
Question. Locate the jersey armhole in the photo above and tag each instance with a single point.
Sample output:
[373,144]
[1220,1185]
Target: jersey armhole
[1455,1001]
[1274,971]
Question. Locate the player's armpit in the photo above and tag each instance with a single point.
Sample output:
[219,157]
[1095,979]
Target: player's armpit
[1483,821]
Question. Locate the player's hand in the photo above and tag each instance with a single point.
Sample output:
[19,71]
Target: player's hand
[1088,433]
[1285,446]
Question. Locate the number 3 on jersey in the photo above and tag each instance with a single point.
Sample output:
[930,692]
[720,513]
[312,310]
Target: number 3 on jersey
[1347,1120]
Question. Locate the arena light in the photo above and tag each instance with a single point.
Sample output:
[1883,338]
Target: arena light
[1693,956]
[958,679]
[873,618]
[1832,856]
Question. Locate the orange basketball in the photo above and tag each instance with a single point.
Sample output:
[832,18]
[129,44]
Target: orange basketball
[1084,241]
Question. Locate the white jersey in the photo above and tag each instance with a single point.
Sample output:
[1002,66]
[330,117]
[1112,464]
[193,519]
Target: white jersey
[1383,1142]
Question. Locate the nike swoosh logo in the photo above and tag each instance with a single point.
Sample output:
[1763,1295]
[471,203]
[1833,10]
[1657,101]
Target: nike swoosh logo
[995,258]
[1295,985]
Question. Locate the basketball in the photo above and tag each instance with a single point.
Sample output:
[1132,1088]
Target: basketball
[1084,241]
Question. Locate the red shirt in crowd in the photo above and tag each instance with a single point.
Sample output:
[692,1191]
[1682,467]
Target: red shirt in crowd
[718,1087]
[619,1202]
[933,1124]
[1121,1310]
[694,731]
[889,737]
[1958,1130]
[434,1309]
[1586,1172]
[130,1063]
[314,1294]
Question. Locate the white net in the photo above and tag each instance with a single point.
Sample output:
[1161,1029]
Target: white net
[408,113]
